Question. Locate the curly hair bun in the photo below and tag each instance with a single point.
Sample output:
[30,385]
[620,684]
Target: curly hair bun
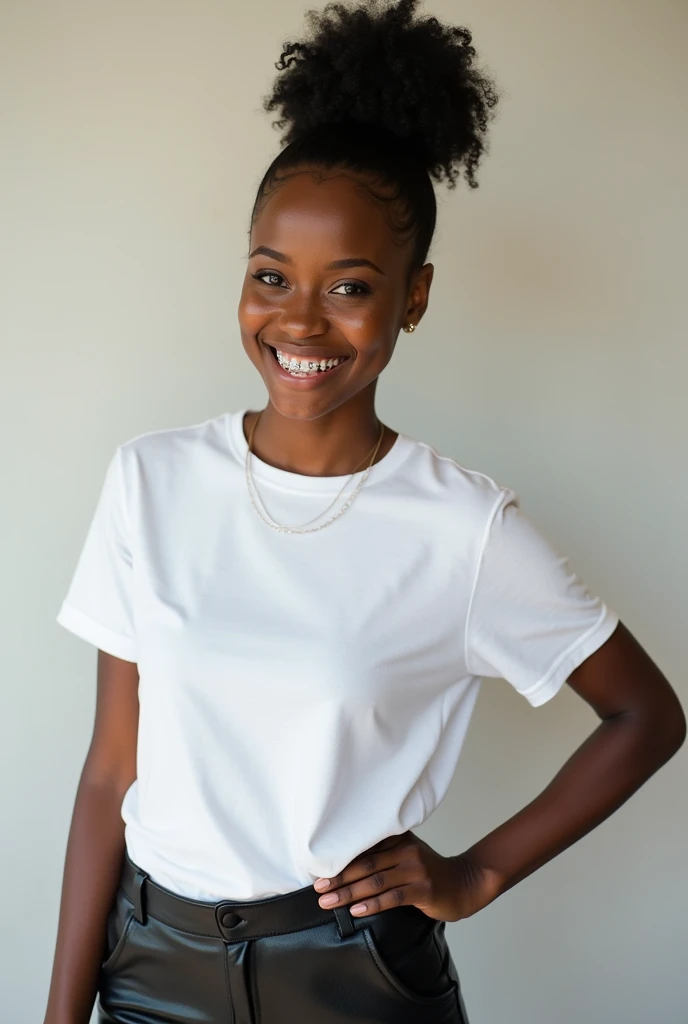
[380,67]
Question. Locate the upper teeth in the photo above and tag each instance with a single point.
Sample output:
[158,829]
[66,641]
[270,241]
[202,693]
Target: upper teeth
[306,365]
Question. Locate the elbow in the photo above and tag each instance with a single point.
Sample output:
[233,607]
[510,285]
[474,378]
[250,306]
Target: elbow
[659,727]
[669,728]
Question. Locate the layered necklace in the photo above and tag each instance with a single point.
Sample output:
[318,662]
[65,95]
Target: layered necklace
[306,527]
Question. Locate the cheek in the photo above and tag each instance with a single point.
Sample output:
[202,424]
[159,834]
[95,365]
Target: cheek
[252,318]
[251,307]
[370,332]
[368,322]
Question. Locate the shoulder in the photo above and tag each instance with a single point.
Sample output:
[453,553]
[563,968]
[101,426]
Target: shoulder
[173,446]
[462,494]
[170,460]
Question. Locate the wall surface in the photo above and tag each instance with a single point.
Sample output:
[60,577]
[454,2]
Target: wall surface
[552,357]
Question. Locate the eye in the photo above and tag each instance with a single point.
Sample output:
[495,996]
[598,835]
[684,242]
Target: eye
[267,273]
[362,288]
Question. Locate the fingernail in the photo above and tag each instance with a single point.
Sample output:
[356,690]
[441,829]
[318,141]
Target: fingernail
[359,908]
[321,883]
[327,901]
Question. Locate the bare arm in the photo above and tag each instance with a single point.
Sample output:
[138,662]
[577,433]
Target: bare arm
[642,726]
[95,847]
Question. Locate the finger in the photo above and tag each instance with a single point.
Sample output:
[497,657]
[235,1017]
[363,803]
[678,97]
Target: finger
[369,888]
[400,895]
[361,867]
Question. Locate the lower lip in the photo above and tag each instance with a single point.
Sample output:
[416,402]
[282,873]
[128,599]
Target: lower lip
[313,380]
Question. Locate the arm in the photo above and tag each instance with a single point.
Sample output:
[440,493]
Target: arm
[642,726]
[95,847]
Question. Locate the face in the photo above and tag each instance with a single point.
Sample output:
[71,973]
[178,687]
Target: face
[326,280]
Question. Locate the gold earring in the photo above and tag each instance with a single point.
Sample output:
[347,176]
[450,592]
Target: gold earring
[410,328]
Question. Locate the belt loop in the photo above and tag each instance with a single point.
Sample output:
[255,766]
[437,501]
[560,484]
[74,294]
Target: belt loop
[345,922]
[139,896]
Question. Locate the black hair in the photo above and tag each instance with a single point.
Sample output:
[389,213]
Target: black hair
[392,97]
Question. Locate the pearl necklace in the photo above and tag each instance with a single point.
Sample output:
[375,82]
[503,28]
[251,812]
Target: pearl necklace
[301,528]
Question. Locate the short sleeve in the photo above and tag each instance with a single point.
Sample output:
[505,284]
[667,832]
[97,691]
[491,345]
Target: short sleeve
[98,603]
[531,620]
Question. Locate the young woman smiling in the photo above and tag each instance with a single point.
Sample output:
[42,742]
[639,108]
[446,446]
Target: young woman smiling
[294,608]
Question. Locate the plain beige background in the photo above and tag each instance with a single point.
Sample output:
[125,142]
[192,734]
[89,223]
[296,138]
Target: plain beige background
[552,357]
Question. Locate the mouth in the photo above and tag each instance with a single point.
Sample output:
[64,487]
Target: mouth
[311,367]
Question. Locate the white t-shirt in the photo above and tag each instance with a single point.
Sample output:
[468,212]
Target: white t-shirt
[303,696]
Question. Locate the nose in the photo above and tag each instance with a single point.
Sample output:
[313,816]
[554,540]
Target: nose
[303,317]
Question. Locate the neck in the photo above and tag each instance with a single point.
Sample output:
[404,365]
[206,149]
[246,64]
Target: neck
[335,444]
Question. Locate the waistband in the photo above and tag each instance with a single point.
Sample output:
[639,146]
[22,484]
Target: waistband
[231,921]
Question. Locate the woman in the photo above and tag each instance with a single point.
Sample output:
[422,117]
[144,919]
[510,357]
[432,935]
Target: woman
[294,607]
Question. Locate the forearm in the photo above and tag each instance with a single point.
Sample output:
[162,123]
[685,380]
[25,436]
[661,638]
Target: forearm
[91,873]
[614,761]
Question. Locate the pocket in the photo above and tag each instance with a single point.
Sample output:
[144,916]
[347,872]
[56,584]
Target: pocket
[412,956]
[119,923]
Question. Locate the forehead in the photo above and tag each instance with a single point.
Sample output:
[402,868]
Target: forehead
[327,214]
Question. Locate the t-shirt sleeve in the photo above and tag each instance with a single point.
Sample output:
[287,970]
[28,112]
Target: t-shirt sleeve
[531,620]
[98,603]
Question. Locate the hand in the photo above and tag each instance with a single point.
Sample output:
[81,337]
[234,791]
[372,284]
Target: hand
[405,870]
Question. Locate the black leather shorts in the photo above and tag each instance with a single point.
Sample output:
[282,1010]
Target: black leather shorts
[278,960]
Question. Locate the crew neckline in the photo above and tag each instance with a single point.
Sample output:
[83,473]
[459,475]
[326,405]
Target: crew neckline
[399,451]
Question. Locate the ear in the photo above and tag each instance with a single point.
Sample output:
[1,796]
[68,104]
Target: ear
[419,293]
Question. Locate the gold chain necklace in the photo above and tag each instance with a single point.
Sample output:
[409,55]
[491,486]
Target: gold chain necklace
[300,528]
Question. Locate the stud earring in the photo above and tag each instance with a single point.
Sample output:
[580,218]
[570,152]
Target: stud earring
[410,328]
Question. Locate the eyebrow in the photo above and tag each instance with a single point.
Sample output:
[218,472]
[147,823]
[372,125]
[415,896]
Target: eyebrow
[351,261]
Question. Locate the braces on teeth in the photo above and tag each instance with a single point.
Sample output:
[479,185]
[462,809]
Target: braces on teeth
[306,366]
